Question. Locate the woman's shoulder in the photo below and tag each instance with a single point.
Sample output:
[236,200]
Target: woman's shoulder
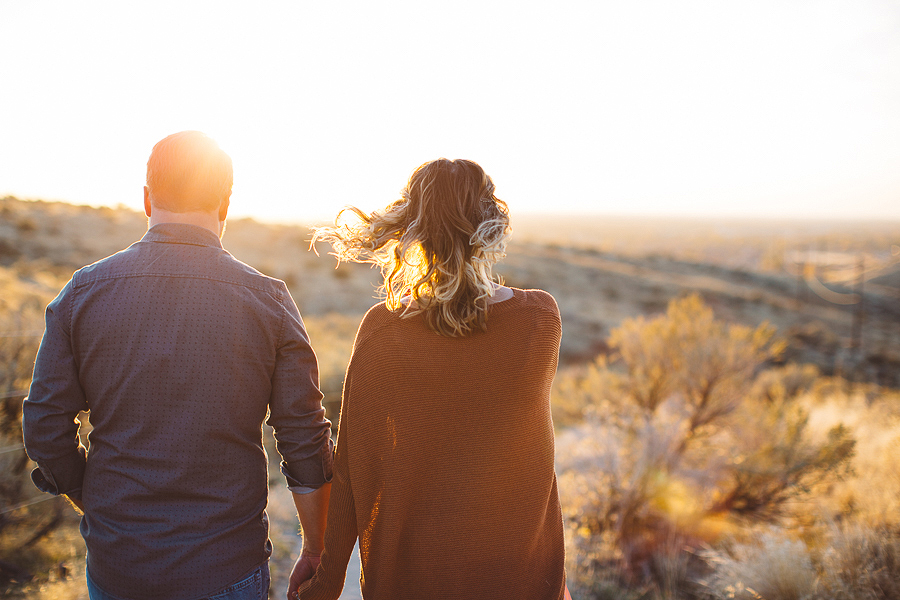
[376,317]
[535,307]
[377,322]
[537,299]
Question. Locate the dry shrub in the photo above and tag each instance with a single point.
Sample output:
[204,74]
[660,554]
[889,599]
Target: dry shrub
[20,331]
[862,563]
[787,382]
[871,495]
[59,564]
[768,567]
[775,458]
[858,562]
[25,547]
[688,353]
[573,391]
[677,449]
[332,337]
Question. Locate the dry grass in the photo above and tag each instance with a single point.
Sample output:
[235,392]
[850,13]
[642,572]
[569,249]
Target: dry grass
[861,562]
[68,585]
[601,271]
[750,245]
[870,495]
[57,562]
[844,534]
[834,534]
[770,566]
[332,338]
[855,562]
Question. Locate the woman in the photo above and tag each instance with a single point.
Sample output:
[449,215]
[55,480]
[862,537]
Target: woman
[444,460]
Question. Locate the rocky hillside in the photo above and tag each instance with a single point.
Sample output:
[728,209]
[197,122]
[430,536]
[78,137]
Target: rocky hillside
[596,284]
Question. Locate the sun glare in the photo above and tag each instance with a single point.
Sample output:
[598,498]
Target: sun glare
[693,108]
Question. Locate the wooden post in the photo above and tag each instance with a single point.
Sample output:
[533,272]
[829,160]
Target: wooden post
[801,282]
[859,312]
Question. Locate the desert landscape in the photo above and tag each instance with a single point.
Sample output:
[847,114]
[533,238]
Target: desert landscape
[727,403]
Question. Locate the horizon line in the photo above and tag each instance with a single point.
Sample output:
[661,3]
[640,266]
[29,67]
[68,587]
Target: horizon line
[237,214]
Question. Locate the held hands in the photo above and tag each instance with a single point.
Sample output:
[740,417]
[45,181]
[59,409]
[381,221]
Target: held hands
[304,569]
[312,509]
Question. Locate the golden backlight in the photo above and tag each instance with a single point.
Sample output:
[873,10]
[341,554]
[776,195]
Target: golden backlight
[781,109]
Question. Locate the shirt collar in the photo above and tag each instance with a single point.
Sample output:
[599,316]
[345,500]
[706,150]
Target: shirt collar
[182,233]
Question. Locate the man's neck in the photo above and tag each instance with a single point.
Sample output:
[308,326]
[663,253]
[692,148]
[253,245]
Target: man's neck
[206,220]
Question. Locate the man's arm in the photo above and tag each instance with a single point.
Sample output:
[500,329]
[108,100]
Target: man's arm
[302,433]
[49,427]
[302,437]
[312,510]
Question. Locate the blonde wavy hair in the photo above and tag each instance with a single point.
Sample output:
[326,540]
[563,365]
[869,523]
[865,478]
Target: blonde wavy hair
[436,245]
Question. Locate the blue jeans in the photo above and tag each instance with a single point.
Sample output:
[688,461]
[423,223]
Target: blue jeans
[253,587]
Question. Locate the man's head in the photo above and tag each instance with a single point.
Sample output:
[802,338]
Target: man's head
[188,172]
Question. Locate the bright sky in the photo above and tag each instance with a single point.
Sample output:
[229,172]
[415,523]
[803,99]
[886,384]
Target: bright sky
[779,108]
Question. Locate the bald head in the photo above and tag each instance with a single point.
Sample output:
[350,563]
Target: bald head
[188,172]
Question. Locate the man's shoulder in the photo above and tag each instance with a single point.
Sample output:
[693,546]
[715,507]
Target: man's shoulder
[147,259]
[241,273]
[105,267]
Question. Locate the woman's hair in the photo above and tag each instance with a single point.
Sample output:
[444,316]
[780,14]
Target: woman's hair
[436,245]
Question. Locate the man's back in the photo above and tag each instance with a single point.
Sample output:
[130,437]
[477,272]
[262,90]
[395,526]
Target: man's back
[178,350]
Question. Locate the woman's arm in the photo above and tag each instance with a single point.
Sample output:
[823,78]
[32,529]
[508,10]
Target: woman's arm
[341,532]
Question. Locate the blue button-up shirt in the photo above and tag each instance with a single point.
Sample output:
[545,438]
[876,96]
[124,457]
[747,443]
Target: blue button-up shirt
[180,352]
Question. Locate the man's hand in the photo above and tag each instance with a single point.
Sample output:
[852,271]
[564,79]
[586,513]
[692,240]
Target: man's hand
[304,569]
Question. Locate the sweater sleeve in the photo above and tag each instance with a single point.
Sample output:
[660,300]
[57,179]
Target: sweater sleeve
[341,531]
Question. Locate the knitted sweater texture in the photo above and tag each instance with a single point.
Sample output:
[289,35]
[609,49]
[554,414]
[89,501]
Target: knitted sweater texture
[444,461]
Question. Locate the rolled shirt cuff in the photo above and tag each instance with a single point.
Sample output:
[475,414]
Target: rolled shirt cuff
[302,487]
[43,480]
[61,475]
[311,477]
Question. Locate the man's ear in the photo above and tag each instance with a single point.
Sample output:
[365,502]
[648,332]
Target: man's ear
[147,208]
[223,207]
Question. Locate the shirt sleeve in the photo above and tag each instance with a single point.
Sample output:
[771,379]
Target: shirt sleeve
[302,433]
[49,411]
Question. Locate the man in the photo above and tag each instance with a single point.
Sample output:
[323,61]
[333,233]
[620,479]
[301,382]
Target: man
[179,351]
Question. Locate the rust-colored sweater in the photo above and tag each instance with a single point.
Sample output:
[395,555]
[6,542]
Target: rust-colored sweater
[444,460]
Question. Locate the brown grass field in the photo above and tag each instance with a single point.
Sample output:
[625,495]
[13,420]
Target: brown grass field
[775,480]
